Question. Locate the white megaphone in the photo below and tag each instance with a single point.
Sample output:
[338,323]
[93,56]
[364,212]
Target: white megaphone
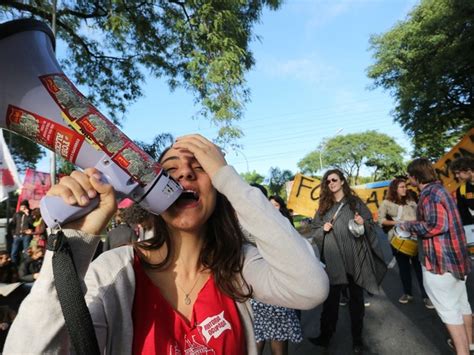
[39,102]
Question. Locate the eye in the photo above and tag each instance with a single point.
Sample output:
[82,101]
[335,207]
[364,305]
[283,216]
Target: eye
[198,167]
[169,169]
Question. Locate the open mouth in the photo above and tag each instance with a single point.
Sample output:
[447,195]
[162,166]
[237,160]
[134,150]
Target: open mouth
[189,195]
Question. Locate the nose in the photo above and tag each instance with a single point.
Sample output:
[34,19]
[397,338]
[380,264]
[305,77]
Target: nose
[185,172]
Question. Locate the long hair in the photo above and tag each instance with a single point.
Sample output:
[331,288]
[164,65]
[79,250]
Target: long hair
[221,252]
[392,194]
[422,170]
[326,197]
[283,209]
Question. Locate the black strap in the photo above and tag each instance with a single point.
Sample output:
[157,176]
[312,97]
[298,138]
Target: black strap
[76,314]
[321,257]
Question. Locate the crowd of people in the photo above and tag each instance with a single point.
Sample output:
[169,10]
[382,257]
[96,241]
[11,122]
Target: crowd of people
[226,256]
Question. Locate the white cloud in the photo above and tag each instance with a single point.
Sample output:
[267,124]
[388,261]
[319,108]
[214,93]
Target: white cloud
[307,69]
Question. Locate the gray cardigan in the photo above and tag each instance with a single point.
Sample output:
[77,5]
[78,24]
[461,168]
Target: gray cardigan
[282,270]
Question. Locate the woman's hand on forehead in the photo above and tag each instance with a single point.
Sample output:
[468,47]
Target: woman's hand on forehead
[206,153]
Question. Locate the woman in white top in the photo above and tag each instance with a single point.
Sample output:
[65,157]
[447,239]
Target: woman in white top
[397,207]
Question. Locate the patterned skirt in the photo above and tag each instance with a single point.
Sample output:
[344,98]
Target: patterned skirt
[275,323]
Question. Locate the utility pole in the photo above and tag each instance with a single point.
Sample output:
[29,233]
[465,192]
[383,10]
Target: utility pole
[53,153]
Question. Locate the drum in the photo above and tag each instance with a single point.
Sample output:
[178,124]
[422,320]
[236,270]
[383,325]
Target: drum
[405,246]
[469,231]
[403,242]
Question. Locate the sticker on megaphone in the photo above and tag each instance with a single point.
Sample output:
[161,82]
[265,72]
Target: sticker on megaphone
[39,102]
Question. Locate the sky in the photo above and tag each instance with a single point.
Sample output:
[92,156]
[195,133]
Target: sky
[309,83]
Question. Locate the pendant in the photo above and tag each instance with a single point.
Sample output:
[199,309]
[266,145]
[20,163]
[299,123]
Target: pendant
[187,300]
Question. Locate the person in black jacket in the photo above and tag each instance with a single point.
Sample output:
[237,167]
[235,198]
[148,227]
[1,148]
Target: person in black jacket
[121,234]
[463,169]
[22,234]
[31,266]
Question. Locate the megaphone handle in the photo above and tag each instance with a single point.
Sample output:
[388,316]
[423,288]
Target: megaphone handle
[55,212]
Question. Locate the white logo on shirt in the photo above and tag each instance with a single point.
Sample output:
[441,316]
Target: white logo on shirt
[214,326]
[195,348]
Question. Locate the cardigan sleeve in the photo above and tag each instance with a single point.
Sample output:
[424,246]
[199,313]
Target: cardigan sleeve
[282,269]
[40,316]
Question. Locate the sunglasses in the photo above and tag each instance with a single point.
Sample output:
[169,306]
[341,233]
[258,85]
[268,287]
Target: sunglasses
[328,181]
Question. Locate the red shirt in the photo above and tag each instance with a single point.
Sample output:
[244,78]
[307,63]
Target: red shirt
[215,326]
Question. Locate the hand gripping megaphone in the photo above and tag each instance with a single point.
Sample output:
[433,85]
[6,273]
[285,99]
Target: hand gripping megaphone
[39,102]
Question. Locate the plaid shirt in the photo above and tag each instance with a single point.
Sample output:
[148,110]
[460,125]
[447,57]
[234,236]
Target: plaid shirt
[439,224]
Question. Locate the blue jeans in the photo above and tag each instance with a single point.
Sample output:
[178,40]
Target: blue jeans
[20,242]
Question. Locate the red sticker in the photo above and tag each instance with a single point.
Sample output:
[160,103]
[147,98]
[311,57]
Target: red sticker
[103,132]
[50,134]
[137,163]
[69,99]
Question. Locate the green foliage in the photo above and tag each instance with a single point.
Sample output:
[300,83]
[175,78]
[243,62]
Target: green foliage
[158,145]
[200,45]
[252,177]
[25,153]
[350,152]
[276,180]
[427,64]
[63,166]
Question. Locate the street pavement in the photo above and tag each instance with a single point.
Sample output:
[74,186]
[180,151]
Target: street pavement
[390,328]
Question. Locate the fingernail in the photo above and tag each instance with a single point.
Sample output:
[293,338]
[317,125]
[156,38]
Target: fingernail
[91,193]
[72,200]
[97,176]
[84,199]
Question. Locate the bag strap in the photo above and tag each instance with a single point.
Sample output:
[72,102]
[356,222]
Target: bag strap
[71,298]
[332,220]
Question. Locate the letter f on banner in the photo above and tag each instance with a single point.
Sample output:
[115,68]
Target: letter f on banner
[9,180]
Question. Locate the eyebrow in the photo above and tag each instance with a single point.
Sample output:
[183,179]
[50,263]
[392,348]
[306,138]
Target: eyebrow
[170,158]
[192,159]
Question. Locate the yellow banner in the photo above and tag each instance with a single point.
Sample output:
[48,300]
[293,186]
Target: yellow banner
[304,195]
[464,148]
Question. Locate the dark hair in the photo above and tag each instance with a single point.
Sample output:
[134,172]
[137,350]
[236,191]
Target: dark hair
[36,213]
[134,214]
[25,203]
[412,195]
[422,170]
[221,252]
[326,198]
[260,187]
[392,193]
[462,164]
[283,209]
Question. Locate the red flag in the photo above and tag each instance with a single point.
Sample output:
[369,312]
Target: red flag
[35,186]
[8,174]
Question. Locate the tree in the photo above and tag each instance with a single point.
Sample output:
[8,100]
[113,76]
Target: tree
[277,179]
[112,45]
[427,64]
[252,177]
[158,145]
[24,152]
[351,152]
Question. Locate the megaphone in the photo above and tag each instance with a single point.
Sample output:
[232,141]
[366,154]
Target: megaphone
[39,102]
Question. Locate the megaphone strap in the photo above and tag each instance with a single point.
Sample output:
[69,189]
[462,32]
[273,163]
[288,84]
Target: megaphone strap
[71,298]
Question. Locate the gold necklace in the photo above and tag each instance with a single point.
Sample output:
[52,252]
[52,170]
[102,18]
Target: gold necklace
[187,300]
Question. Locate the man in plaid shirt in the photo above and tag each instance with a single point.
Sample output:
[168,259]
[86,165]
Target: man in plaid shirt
[443,253]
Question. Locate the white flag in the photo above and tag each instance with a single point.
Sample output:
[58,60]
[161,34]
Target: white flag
[9,180]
